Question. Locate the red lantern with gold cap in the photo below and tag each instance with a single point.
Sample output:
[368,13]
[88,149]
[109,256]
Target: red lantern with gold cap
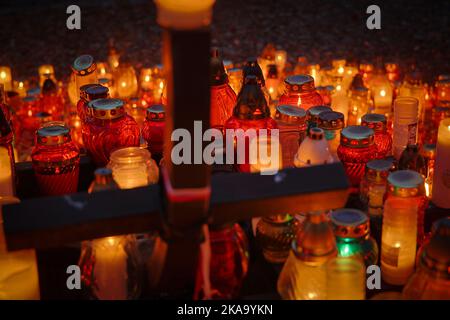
[153,129]
[357,147]
[251,112]
[301,92]
[110,129]
[223,98]
[383,140]
[55,159]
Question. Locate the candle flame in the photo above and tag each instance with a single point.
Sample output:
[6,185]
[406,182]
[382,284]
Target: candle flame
[102,71]
[161,85]
[341,70]
[147,78]
[427,189]
[338,87]
[3,75]
[271,90]
[124,84]
[20,84]
[383,93]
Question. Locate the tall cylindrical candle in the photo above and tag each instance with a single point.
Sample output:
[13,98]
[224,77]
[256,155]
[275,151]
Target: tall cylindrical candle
[399,232]
[405,124]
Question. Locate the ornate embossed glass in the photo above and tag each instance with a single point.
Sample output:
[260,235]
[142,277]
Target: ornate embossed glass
[56,160]
[356,149]
[110,129]
[301,92]
[291,122]
[153,129]
[383,140]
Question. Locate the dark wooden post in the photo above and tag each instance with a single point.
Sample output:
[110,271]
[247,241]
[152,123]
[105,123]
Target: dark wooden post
[187,186]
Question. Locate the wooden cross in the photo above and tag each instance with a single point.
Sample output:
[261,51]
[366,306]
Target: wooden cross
[188,195]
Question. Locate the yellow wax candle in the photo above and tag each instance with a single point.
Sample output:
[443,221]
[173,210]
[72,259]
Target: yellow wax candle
[18,270]
[441,178]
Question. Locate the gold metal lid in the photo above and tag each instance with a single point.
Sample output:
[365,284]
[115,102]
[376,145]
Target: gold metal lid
[357,137]
[299,83]
[374,121]
[290,114]
[314,112]
[53,134]
[378,170]
[350,223]
[156,113]
[97,91]
[84,65]
[406,183]
[107,109]
[83,89]
[331,120]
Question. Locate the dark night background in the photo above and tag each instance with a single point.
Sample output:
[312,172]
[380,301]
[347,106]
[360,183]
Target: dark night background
[34,32]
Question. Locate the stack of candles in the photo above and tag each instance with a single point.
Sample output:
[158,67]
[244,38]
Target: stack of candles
[360,115]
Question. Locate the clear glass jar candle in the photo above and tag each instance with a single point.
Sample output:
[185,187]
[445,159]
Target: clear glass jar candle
[275,234]
[357,147]
[374,186]
[301,92]
[133,167]
[110,267]
[332,123]
[399,232]
[383,140]
[304,275]
[360,104]
[291,122]
[126,81]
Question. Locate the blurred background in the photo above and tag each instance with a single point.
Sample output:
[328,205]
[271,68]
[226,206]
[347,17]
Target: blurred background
[33,32]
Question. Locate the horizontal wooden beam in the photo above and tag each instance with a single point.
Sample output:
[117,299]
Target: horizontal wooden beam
[52,221]
[239,196]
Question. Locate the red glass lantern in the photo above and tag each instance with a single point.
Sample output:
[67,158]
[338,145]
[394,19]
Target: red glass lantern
[356,149]
[109,129]
[229,261]
[223,98]
[301,92]
[82,103]
[251,112]
[383,140]
[56,160]
[252,68]
[153,130]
